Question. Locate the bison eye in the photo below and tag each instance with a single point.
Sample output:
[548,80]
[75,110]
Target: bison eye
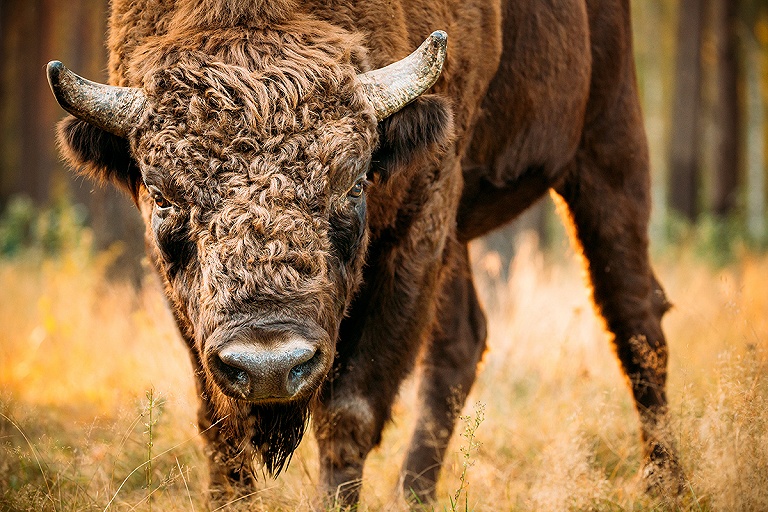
[356,191]
[159,199]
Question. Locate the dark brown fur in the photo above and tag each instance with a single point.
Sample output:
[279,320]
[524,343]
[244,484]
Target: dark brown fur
[257,130]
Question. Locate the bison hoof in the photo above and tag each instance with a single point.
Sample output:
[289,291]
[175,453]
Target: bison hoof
[419,493]
[662,474]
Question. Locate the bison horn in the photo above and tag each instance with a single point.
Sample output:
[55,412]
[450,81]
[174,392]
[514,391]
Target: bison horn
[392,87]
[113,109]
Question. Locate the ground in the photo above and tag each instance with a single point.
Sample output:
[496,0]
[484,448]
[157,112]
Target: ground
[98,405]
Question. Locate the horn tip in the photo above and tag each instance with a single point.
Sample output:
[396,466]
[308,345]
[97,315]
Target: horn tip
[54,71]
[56,75]
[438,41]
[54,68]
[439,36]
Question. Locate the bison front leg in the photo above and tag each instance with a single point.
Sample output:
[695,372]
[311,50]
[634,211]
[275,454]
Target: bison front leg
[379,341]
[377,350]
[346,431]
[449,369]
[607,192]
[230,464]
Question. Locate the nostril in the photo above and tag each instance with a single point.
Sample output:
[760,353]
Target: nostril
[298,371]
[304,368]
[236,376]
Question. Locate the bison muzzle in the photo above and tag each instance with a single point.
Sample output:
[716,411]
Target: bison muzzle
[274,362]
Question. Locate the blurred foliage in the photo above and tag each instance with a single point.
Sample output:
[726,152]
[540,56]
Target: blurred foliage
[716,241]
[32,233]
[27,230]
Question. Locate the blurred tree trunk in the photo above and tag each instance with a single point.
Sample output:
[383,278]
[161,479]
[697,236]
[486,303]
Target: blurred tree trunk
[33,32]
[9,139]
[112,214]
[18,100]
[728,154]
[28,160]
[684,161]
[756,59]
[29,35]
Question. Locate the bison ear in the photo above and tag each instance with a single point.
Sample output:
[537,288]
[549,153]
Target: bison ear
[420,131]
[98,155]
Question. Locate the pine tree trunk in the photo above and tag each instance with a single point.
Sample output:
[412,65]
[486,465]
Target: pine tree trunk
[728,155]
[756,182]
[684,162]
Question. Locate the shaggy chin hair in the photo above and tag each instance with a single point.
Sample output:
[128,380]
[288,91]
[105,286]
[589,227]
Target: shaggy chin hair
[269,432]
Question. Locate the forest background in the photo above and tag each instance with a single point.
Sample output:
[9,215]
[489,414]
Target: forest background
[702,70]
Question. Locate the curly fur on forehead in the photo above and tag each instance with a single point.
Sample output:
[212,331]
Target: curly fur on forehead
[280,96]
[259,152]
[225,13]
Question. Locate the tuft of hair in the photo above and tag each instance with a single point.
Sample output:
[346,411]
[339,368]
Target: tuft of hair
[208,14]
[97,154]
[274,431]
[419,131]
[277,433]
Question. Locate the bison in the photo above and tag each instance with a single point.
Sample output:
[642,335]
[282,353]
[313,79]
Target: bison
[309,189]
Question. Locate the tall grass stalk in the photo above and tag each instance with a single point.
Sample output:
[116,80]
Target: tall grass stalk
[186,485]
[471,424]
[152,403]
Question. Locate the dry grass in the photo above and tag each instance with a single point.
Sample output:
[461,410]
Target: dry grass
[78,355]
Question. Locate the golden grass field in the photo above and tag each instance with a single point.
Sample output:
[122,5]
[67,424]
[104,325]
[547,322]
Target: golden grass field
[79,355]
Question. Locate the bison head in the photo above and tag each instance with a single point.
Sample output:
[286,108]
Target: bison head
[251,179]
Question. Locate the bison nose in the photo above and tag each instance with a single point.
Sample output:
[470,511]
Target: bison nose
[254,372]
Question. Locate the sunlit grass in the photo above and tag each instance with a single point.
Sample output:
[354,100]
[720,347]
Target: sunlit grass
[78,355]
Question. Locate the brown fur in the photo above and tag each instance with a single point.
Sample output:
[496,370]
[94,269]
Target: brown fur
[256,132]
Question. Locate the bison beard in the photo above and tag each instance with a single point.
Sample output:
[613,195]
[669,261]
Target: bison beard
[273,430]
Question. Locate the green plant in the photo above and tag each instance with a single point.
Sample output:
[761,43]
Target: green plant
[153,407]
[49,231]
[471,424]
[718,241]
